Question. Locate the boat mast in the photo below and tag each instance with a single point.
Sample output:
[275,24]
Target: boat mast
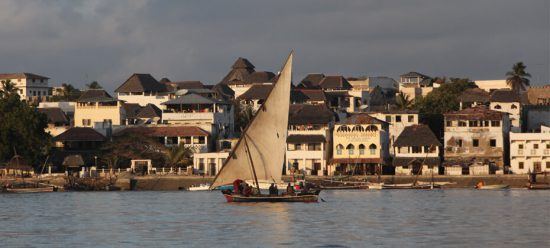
[251,163]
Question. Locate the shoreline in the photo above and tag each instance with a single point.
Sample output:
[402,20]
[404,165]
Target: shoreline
[175,182]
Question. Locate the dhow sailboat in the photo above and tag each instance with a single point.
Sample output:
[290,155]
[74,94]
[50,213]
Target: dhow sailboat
[259,154]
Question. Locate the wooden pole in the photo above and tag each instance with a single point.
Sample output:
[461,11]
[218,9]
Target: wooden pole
[251,163]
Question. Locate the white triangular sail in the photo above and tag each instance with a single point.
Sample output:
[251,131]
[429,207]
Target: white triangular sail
[265,138]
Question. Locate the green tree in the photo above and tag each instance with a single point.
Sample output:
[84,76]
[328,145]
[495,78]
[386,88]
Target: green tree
[403,101]
[518,78]
[180,155]
[8,89]
[94,85]
[22,130]
[121,149]
[441,100]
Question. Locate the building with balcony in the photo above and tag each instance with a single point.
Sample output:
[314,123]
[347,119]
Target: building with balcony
[143,89]
[97,109]
[417,151]
[529,152]
[190,136]
[477,135]
[309,139]
[28,85]
[213,115]
[414,84]
[360,144]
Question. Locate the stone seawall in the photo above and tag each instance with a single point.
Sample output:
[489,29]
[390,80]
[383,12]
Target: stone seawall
[183,182]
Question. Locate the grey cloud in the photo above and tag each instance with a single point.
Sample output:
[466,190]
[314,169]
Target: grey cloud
[81,41]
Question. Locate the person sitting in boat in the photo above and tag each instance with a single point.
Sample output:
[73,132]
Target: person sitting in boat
[247,190]
[480,184]
[273,189]
[289,189]
[237,186]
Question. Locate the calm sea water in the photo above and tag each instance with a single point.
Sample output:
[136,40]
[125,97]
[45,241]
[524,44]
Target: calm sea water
[454,218]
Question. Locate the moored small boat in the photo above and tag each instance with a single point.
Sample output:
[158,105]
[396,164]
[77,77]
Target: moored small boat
[538,186]
[375,185]
[313,197]
[201,187]
[493,186]
[409,186]
[344,187]
[30,190]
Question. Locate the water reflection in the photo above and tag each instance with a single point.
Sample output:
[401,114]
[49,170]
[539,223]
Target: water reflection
[347,219]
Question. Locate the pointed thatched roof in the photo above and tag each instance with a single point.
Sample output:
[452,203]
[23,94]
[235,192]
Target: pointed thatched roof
[141,83]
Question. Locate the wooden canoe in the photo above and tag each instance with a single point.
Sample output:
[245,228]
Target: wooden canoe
[538,186]
[269,198]
[30,190]
[344,187]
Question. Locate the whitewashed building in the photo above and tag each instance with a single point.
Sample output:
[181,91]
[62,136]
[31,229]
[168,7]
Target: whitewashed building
[143,89]
[308,140]
[398,120]
[28,85]
[414,84]
[508,101]
[529,152]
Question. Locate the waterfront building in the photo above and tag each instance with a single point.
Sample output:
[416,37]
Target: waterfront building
[29,86]
[243,75]
[58,122]
[530,152]
[490,85]
[211,114]
[508,101]
[97,109]
[143,89]
[414,84]
[82,141]
[360,144]
[476,135]
[210,163]
[309,139]
[66,107]
[173,135]
[417,151]
[398,120]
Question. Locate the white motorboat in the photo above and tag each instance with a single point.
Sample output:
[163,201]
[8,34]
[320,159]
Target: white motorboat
[201,187]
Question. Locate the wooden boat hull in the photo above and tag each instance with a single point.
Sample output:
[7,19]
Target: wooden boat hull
[29,190]
[496,186]
[409,186]
[344,187]
[538,186]
[267,198]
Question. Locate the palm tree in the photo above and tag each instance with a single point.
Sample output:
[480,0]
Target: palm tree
[8,88]
[243,115]
[68,90]
[94,85]
[402,101]
[517,78]
[179,155]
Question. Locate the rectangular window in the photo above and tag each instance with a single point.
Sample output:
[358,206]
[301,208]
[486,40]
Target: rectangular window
[535,146]
[388,118]
[416,149]
[547,165]
[339,151]
[459,143]
[495,123]
[313,147]
[520,146]
[475,142]
[449,123]
[297,147]
[397,118]
[548,146]
[86,122]
[493,142]
[461,123]
[520,165]
[472,123]
[411,118]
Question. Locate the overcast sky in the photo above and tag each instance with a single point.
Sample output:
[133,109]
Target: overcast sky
[81,41]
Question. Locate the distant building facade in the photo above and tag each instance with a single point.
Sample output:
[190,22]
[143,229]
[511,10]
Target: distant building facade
[529,152]
[28,85]
[417,151]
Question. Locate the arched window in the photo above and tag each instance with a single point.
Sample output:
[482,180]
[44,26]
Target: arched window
[361,149]
[497,107]
[339,149]
[372,149]
[343,128]
[358,128]
[372,128]
[350,149]
[514,106]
